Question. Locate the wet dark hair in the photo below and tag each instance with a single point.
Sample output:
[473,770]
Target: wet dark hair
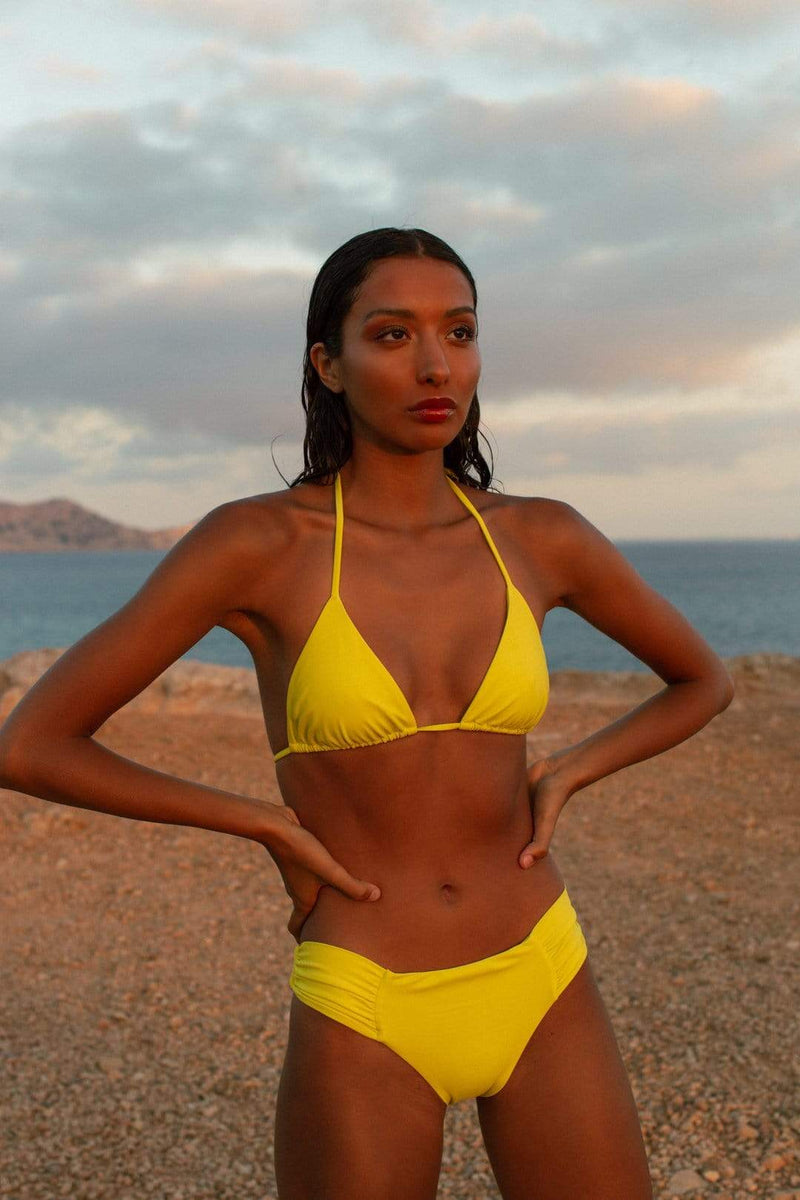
[328,442]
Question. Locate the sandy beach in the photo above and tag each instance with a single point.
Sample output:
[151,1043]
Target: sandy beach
[145,967]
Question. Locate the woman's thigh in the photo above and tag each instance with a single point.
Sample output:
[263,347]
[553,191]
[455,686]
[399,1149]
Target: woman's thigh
[353,1120]
[565,1124]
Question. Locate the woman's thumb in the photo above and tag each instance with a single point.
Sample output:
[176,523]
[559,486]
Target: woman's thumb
[357,889]
[543,827]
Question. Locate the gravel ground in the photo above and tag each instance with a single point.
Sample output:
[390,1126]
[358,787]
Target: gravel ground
[145,996]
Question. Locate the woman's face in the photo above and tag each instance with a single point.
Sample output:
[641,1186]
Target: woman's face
[391,361]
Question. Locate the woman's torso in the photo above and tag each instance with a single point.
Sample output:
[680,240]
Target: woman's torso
[437,819]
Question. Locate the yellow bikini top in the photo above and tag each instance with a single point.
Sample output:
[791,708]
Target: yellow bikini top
[340,694]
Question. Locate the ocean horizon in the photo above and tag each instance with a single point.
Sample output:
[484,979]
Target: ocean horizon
[741,595]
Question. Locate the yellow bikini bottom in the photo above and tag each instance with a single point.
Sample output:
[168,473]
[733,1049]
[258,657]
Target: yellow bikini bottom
[462,1028]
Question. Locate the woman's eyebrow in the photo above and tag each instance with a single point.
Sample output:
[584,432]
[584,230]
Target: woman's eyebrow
[406,312]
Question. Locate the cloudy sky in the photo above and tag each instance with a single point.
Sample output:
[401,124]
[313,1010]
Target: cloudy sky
[621,176]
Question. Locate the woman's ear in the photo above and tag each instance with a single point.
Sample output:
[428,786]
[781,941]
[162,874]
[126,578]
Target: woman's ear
[326,367]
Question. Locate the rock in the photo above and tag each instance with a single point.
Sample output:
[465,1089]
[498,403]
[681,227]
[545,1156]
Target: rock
[186,686]
[747,1133]
[685,1181]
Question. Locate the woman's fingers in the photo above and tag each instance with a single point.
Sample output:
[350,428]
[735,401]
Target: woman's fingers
[357,889]
[296,922]
[300,850]
[321,861]
[545,812]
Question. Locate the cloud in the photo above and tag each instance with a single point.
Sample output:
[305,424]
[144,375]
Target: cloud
[626,234]
[289,81]
[628,436]
[214,353]
[512,39]
[625,194]
[515,40]
[82,441]
[662,316]
[520,40]
[752,498]
[733,17]
[61,68]
[270,21]
[214,56]
[127,471]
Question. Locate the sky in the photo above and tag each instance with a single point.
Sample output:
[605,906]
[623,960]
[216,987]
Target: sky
[621,176]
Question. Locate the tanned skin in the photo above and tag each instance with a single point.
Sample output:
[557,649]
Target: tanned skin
[411,852]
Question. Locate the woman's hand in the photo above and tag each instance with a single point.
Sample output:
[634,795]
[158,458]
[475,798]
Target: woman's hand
[306,866]
[547,795]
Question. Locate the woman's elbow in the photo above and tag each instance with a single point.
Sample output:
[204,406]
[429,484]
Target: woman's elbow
[16,755]
[724,688]
[8,767]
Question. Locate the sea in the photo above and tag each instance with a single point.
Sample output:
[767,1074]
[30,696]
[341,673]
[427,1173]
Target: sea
[742,596]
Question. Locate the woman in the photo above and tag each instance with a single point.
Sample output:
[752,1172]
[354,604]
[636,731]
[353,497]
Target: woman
[392,606]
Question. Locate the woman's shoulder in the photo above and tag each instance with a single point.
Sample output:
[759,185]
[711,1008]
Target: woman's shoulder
[260,541]
[541,517]
[276,515]
[560,542]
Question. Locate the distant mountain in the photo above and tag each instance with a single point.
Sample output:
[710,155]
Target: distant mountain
[61,524]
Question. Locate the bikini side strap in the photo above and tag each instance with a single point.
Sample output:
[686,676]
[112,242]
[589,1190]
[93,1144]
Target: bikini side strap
[468,503]
[337,541]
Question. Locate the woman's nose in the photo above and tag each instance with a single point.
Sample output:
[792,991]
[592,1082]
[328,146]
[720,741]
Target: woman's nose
[433,364]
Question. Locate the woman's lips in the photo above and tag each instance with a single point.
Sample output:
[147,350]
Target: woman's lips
[434,402]
[431,414]
[435,408]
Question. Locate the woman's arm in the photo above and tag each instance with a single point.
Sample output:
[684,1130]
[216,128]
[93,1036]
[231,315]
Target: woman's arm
[588,575]
[46,744]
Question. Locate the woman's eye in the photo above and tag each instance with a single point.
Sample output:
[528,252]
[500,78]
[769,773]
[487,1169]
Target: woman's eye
[470,333]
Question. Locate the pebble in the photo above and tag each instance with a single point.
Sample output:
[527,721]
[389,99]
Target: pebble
[684,1181]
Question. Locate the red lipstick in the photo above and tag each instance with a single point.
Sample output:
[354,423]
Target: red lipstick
[434,402]
[433,408]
